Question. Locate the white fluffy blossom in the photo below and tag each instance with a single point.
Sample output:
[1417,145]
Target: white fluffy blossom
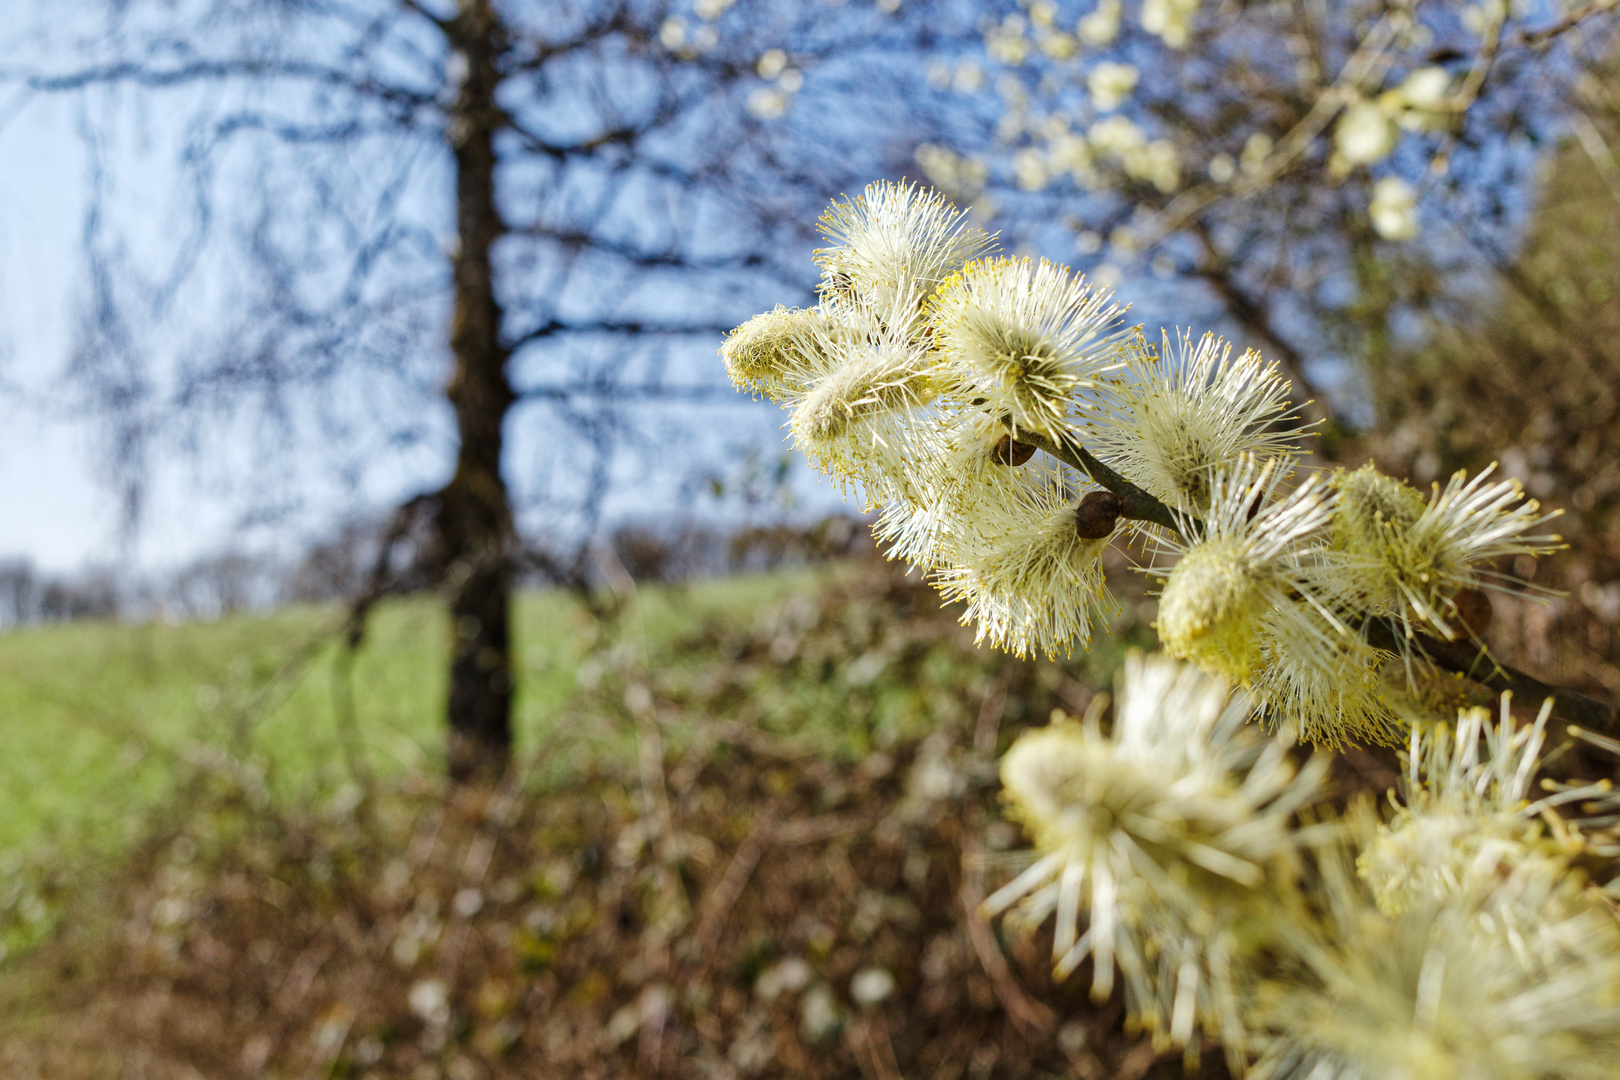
[1024,337]
[1174,415]
[1241,570]
[1466,819]
[1399,556]
[1031,583]
[1394,209]
[774,353]
[1320,680]
[1365,134]
[892,240]
[1520,983]
[862,377]
[962,484]
[1162,837]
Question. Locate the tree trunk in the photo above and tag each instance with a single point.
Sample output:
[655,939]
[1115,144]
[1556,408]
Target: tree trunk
[475,513]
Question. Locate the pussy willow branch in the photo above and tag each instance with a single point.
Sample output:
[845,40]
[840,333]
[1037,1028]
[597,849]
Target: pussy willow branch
[1470,658]
[1465,657]
[1138,504]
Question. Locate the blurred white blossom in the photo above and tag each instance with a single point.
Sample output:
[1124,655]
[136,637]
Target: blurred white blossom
[1394,209]
[1365,134]
[771,63]
[1159,837]
[767,103]
[1170,19]
[1110,84]
[1101,26]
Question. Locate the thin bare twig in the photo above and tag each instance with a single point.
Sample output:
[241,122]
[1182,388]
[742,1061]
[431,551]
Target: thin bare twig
[1137,504]
[1568,22]
[729,889]
[871,1034]
[1470,658]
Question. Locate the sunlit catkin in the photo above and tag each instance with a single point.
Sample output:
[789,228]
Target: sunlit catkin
[1031,583]
[894,242]
[1175,414]
[1320,681]
[1171,838]
[1242,569]
[774,353]
[1025,338]
[1465,818]
[1406,558]
[1518,983]
[852,415]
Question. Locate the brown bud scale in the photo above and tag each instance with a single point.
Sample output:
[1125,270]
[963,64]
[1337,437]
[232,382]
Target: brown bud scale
[1009,451]
[1098,512]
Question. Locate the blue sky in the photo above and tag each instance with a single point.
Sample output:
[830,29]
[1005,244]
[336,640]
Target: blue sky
[54,511]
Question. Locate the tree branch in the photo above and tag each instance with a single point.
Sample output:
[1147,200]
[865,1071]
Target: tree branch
[1471,659]
[1468,658]
[1568,22]
[581,240]
[555,327]
[1137,504]
[417,8]
[215,70]
[610,392]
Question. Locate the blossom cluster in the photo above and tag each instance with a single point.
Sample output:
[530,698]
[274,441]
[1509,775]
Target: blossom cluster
[1465,936]
[1007,426]
[1139,100]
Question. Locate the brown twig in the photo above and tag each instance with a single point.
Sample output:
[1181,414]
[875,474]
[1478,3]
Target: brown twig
[871,1034]
[990,713]
[1136,504]
[729,889]
[1471,659]
[1464,657]
[1568,22]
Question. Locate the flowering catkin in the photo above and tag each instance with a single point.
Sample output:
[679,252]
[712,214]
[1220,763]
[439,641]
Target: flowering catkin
[1520,982]
[1400,556]
[893,239]
[1243,569]
[1164,836]
[1024,337]
[1030,581]
[1008,429]
[1175,414]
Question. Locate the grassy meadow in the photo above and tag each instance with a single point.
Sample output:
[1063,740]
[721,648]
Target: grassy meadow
[100,718]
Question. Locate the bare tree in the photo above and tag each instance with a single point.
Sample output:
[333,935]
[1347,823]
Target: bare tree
[577,191]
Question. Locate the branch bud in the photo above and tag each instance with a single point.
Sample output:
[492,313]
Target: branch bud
[1009,451]
[1096,515]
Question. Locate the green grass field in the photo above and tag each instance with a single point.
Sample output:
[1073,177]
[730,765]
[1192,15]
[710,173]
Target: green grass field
[98,718]
[107,724]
